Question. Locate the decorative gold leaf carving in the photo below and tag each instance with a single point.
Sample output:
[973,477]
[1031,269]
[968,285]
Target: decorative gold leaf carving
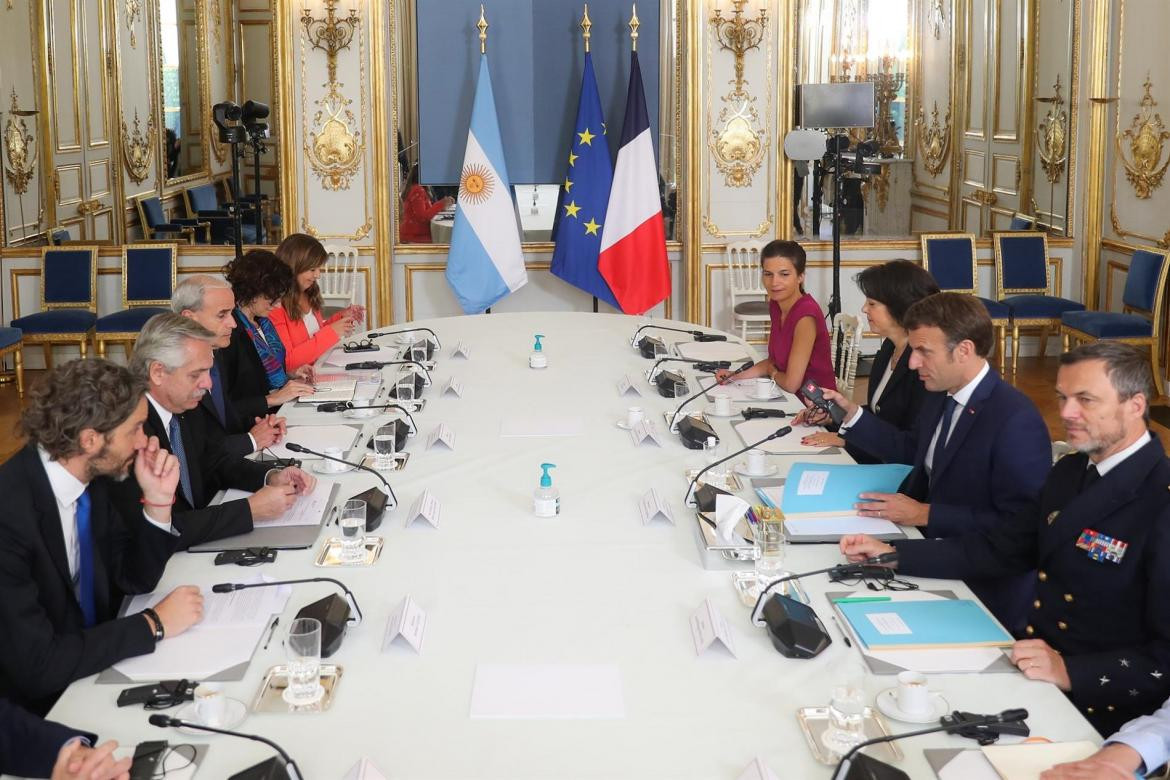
[133,14]
[934,140]
[20,148]
[1145,137]
[1051,136]
[138,148]
[334,147]
[737,143]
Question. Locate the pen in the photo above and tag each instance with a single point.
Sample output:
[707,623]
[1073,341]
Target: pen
[842,630]
[276,620]
[861,599]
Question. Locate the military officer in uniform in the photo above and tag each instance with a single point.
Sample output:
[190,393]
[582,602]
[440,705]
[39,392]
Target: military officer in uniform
[1098,538]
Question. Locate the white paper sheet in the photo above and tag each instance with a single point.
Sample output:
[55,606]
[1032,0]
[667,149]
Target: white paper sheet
[751,431]
[1027,761]
[738,390]
[306,510]
[538,425]
[956,660]
[844,524]
[712,350]
[336,390]
[547,692]
[316,437]
[968,765]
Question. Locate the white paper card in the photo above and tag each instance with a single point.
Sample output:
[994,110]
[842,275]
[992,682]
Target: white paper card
[750,431]
[758,770]
[840,525]
[729,510]
[306,510]
[626,386]
[812,483]
[547,692]
[426,507]
[968,765]
[409,622]
[1027,761]
[441,435]
[651,506]
[645,431]
[708,626]
[889,624]
[712,350]
[453,386]
[463,350]
[363,770]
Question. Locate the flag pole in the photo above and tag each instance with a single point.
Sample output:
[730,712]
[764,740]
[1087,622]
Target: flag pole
[634,25]
[483,26]
[586,24]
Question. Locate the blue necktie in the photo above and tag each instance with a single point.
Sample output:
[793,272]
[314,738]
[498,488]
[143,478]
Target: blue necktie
[217,395]
[85,561]
[177,448]
[944,430]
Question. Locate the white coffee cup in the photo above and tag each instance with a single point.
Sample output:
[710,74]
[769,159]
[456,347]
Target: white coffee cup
[634,415]
[722,404]
[764,387]
[913,696]
[757,461]
[210,704]
[333,452]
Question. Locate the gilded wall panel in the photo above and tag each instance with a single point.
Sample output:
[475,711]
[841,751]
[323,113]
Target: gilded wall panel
[20,160]
[134,73]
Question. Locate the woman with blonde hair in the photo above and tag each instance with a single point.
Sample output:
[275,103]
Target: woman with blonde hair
[304,332]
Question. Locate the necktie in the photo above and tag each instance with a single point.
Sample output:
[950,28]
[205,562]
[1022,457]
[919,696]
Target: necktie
[217,395]
[177,447]
[85,561]
[1090,476]
[944,429]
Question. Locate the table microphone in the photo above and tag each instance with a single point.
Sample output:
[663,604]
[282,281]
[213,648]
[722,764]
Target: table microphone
[869,768]
[787,429]
[716,383]
[343,406]
[709,366]
[697,334]
[294,447]
[291,769]
[334,613]
[372,364]
[405,330]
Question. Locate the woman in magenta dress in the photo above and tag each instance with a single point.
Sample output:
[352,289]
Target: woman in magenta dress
[798,347]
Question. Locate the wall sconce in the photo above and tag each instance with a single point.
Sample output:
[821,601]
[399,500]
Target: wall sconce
[739,35]
[331,34]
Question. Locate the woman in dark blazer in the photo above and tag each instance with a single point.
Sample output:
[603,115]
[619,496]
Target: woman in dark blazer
[895,392]
[253,362]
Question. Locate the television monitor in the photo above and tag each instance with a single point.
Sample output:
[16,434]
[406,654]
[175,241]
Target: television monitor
[848,104]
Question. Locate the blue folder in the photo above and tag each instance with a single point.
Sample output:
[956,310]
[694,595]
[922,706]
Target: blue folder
[942,623]
[844,483]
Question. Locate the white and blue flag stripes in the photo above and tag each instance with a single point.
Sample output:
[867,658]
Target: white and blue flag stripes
[485,262]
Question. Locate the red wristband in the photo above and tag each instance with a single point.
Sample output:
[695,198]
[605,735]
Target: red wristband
[144,502]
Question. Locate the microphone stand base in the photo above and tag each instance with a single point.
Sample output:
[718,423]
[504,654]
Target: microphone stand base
[272,769]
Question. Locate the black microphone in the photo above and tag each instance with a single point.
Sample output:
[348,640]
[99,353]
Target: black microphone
[370,364]
[840,569]
[703,365]
[294,447]
[716,383]
[879,769]
[334,613]
[405,330]
[787,429]
[697,334]
[342,406]
[163,721]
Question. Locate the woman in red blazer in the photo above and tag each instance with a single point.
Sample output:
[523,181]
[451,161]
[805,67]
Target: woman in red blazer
[307,335]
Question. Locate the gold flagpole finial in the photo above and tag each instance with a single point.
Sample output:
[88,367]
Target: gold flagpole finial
[634,25]
[482,25]
[585,25]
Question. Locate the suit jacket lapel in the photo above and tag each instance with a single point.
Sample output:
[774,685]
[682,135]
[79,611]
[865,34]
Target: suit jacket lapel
[194,473]
[155,427]
[963,426]
[99,518]
[47,514]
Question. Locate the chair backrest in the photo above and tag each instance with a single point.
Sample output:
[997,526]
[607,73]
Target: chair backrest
[69,277]
[200,198]
[148,274]
[743,267]
[950,259]
[339,278]
[150,213]
[1021,262]
[1022,222]
[845,365]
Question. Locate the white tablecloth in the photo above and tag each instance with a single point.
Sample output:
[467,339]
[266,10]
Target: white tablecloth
[592,586]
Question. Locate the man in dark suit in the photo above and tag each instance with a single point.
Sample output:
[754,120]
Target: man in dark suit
[67,555]
[1098,536]
[33,747]
[209,301]
[979,448]
[173,356]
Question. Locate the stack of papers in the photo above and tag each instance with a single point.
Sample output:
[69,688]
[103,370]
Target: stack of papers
[881,622]
[712,350]
[753,430]
[818,500]
[306,510]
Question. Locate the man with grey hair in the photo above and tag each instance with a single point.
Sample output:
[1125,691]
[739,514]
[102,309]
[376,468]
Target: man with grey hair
[209,301]
[1098,538]
[173,356]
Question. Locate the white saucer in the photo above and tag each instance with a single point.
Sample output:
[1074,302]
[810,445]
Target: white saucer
[887,702]
[710,411]
[623,425]
[328,467]
[771,471]
[234,713]
[288,700]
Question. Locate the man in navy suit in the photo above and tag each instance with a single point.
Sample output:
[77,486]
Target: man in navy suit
[980,449]
[32,747]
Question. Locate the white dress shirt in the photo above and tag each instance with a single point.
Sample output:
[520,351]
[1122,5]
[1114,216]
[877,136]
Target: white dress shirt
[1105,466]
[1149,735]
[962,397]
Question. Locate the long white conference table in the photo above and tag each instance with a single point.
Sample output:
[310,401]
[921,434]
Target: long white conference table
[593,586]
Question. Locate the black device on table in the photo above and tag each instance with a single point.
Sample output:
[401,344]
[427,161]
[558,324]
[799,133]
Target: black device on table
[755,412]
[249,556]
[816,396]
[160,695]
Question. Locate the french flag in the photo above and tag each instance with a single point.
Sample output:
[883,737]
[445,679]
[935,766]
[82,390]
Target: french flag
[633,240]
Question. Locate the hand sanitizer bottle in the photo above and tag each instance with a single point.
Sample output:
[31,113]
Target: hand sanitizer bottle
[546,499]
[537,358]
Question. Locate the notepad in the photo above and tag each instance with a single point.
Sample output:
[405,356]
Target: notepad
[906,625]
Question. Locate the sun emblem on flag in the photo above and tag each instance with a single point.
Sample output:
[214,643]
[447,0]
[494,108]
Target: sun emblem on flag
[476,184]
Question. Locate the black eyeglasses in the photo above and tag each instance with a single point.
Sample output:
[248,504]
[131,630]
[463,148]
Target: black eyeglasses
[360,344]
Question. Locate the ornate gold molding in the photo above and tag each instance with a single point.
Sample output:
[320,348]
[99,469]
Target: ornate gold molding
[1051,136]
[755,232]
[138,148]
[215,21]
[737,139]
[133,14]
[1163,242]
[934,140]
[1146,137]
[357,235]
[20,148]
[334,148]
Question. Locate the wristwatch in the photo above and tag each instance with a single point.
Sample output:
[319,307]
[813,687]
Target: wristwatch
[155,622]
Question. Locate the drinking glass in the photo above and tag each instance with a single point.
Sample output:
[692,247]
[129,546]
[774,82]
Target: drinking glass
[770,546]
[384,444]
[418,350]
[846,709]
[680,390]
[405,387]
[304,662]
[712,452]
[353,529]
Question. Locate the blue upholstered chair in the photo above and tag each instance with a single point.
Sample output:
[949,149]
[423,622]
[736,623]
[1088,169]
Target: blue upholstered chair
[156,226]
[148,281]
[950,259]
[11,343]
[68,300]
[1022,222]
[1021,280]
[203,206]
[248,204]
[1141,321]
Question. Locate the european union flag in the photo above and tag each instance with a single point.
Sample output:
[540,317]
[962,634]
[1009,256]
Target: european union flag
[584,196]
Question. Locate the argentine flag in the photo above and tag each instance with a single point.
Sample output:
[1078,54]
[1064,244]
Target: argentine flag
[485,262]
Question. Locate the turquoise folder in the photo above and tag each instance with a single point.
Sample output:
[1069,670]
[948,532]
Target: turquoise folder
[844,482]
[942,623]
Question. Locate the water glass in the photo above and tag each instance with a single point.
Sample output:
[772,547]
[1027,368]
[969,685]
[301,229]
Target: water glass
[846,708]
[712,453]
[661,350]
[418,350]
[304,662]
[681,390]
[405,387]
[353,530]
[384,444]
[770,546]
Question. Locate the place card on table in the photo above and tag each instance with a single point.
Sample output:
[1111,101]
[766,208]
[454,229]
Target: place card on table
[758,770]
[709,627]
[425,507]
[463,350]
[364,769]
[441,435]
[626,386]
[644,431]
[453,386]
[409,623]
[651,506]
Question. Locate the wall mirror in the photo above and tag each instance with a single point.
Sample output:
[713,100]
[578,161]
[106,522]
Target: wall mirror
[973,115]
[424,180]
[182,91]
